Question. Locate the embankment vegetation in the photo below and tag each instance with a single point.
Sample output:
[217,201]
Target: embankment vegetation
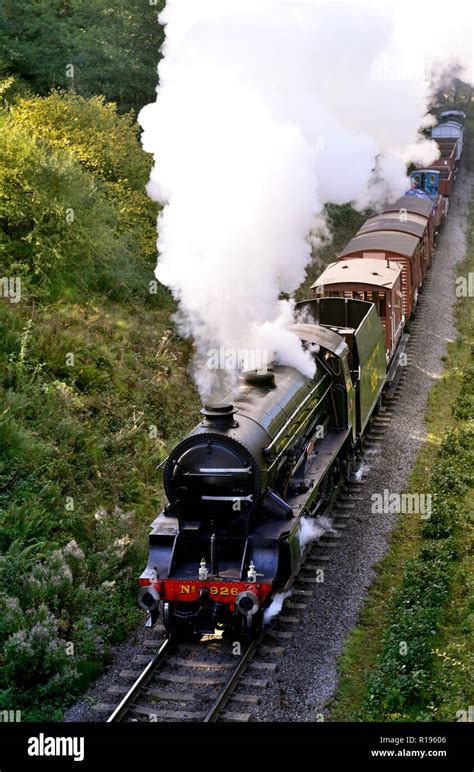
[93,390]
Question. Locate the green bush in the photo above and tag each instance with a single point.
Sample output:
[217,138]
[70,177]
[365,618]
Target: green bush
[81,434]
[403,678]
[79,483]
[107,146]
[113,47]
[75,220]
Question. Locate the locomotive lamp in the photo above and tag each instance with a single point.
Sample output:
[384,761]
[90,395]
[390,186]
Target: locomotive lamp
[203,572]
[252,573]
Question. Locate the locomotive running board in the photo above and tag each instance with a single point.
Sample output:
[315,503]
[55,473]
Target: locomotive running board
[395,369]
[328,451]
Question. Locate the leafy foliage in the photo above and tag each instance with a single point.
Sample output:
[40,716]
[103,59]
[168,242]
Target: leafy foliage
[113,47]
[74,215]
[403,678]
[80,438]
[107,146]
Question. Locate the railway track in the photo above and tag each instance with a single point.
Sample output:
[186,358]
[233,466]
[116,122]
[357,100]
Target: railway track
[212,680]
[192,682]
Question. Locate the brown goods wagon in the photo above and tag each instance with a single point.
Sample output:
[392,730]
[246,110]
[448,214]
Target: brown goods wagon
[393,247]
[412,207]
[446,164]
[415,225]
[447,148]
[373,281]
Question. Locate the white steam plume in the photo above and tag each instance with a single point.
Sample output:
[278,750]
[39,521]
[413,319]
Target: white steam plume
[312,530]
[265,111]
[275,606]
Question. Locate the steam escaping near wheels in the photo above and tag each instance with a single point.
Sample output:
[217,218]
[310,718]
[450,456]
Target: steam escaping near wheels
[275,606]
[362,470]
[312,530]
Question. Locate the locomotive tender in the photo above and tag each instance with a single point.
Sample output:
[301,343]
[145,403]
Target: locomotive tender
[240,485]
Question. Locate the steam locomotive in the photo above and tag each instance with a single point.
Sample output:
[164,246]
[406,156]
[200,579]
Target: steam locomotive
[241,484]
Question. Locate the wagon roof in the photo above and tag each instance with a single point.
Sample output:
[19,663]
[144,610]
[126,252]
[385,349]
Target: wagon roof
[365,271]
[380,223]
[382,241]
[454,112]
[448,129]
[411,204]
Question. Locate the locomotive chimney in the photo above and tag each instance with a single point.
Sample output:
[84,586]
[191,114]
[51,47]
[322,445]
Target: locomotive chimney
[219,416]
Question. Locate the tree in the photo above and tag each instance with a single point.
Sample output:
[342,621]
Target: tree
[62,227]
[91,47]
[106,145]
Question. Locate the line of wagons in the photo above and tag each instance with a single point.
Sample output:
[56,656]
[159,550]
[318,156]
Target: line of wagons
[387,260]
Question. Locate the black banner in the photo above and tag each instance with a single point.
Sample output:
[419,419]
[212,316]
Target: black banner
[83,746]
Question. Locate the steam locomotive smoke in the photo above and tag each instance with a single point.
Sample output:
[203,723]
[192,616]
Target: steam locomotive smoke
[265,111]
[312,530]
[275,606]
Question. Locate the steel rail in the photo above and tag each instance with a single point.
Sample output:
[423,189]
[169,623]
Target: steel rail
[221,701]
[141,681]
